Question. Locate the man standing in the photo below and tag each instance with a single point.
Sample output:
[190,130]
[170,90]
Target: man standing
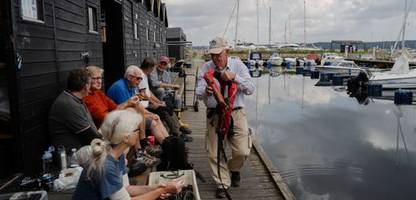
[230,71]
[70,122]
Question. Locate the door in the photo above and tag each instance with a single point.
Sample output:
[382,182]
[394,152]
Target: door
[112,19]
[7,89]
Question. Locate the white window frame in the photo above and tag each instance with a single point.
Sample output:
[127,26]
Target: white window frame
[136,35]
[161,35]
[92,20]
[135,26]
[36,11]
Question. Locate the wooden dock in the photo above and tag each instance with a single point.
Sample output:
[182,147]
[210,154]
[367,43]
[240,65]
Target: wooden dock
[260,180]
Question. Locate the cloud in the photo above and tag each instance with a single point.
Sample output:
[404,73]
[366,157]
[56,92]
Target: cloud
[326,20]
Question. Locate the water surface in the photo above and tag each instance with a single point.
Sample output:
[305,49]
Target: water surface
[327,146]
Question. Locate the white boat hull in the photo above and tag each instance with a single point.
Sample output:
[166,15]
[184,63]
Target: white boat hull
[389,80]
[338,70]
[275,62]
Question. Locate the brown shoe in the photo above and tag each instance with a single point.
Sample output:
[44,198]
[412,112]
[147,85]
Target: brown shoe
[220,193]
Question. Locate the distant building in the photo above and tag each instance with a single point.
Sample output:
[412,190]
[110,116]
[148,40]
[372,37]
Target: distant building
[176,41]
[350,46]
[42,40]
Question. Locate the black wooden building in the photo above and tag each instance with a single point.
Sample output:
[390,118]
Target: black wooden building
[42,40]
[176,41]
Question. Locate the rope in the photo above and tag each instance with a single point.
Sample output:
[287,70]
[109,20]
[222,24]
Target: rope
[220,149]
[173,175]
[229,19]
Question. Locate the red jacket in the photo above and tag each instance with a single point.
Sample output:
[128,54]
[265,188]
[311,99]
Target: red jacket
[99,105]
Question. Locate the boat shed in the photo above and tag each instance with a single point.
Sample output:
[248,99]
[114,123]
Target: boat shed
[42,40]
[176,41]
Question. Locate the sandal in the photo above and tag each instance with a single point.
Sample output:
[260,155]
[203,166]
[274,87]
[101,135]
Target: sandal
[149,160]
[154,151]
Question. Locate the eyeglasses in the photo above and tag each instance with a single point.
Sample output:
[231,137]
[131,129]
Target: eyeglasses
[137,77]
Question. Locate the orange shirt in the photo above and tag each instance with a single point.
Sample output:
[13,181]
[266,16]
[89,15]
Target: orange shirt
[99,105]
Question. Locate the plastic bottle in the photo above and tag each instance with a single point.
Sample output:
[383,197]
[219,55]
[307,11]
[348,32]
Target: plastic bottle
[72,160]
[47,160]
[62,157]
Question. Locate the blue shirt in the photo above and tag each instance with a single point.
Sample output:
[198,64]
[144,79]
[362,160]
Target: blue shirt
[120,92]
[106,185]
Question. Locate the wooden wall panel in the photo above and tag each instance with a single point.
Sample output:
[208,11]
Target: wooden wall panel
[50,52]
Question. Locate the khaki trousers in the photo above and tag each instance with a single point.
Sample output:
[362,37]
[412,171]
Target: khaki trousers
[240,145]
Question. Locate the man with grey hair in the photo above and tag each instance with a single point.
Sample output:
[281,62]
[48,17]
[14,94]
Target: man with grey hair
[126,87]
[227,72]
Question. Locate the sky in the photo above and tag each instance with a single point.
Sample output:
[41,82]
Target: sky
[326,20]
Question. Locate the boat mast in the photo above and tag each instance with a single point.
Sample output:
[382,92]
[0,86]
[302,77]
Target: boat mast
[304,23]
[290,29]
[402,29]
[257,5]
[270,25]
[285,32]
[236,23]
[404,24]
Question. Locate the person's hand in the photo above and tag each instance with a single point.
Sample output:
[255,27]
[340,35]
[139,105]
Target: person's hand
[175,186]
[155,117]
[142,95]
[133,101]
[162,104]
[208,91]
[176,87]
[228,76]
[165,195]
[140,108]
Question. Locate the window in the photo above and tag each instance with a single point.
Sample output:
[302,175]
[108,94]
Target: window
[135,18]
[32,10]
[147,31]
[161,35]
[136,36]
[92,20]
[154,34]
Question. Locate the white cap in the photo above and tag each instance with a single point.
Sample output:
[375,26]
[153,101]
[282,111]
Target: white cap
[217,45]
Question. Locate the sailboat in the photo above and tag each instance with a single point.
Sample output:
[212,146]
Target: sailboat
[400,76]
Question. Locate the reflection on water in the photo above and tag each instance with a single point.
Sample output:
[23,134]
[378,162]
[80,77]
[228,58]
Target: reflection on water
[332,147]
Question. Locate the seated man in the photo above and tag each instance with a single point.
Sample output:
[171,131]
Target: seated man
[160,79]
[126,87]
[163,89]
[122,91]
[157,106]
[70,122]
